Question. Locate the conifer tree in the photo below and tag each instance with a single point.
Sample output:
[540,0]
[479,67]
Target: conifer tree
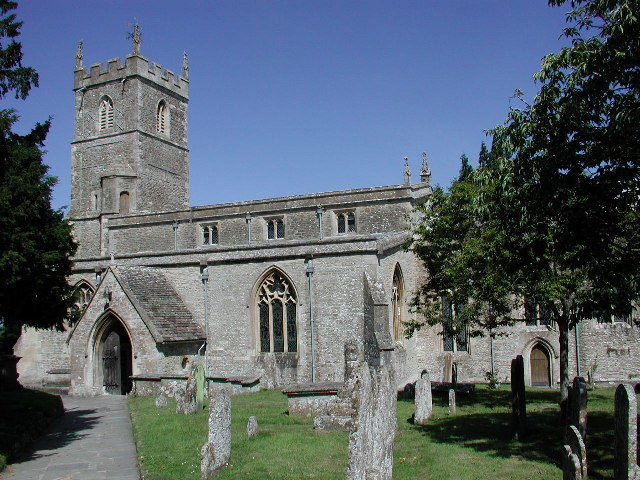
[35,240]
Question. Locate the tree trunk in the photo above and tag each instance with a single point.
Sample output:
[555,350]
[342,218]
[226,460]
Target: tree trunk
[8,362]
[563,328]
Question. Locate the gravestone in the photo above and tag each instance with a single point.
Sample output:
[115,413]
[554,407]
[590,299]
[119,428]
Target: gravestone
[626,431]
[574,461]
[216,452]
[161,401]
[189,405]
[252,426]
[518,401]
[198,373]
[452,402]
[578,406]
[423,400]
[372,436]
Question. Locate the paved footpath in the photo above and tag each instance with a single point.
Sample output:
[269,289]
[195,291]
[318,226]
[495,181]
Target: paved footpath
[92,441]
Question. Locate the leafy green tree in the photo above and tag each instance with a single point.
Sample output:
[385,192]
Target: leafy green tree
[550,217]
[35,240]
[457,249]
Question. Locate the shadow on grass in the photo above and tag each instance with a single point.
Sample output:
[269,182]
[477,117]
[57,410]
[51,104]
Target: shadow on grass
[489,430]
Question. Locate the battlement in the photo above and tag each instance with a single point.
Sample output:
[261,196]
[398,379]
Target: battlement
[134,65]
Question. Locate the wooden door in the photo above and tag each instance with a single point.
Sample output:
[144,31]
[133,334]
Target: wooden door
[112,377]
[540,368]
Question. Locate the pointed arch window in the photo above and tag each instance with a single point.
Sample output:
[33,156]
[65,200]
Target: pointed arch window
[82,295]
[105,113]
[277,313]
[397,304]
[455,338]
[125,202]
[162,118]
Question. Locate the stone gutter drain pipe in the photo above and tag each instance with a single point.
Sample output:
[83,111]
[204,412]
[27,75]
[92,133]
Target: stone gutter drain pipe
[205,281]
[313,345]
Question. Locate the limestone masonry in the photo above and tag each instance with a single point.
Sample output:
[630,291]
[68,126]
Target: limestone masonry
[261,293]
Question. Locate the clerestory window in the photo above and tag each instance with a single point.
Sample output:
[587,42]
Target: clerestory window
[275,228]
[83,292]
[210,235]
[346,222]
[455,338]
[276,307]
[105,113]
[162,118]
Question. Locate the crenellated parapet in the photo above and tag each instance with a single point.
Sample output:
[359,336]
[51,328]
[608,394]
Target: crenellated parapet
[134,66]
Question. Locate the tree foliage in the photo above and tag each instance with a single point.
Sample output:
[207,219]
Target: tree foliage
[35,240]
[551,214]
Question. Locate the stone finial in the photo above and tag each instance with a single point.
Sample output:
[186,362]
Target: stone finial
[425,172]
[407,172]
[135,38]
[79,55]
[185,66]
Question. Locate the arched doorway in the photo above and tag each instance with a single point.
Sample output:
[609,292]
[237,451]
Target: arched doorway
[540,372]
[114,358]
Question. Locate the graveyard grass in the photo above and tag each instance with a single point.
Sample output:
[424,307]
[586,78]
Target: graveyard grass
[474,444]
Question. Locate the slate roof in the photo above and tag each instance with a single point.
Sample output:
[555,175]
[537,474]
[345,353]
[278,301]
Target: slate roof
[159,304]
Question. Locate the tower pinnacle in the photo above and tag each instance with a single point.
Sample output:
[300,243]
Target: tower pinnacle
[407,172]
[185,66]
[425,172]
[79,55]
[135,39]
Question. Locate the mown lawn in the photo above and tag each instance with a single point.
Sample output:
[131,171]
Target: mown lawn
[475,444]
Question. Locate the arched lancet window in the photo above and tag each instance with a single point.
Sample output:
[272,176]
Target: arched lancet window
[125,205]
[162,118]
[106,113]
[276,307]
[397,304]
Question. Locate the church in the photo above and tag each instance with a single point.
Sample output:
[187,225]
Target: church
[260,293]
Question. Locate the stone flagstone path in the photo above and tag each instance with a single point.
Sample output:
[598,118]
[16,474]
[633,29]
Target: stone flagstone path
[93,441]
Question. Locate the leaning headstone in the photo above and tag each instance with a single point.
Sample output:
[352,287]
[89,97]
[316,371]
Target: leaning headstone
[252,426]
[452,402]
[518,401]
[161,401]
[216,452]
[371,440]
[423,401]
[578,406]
[626,428]
[574,461]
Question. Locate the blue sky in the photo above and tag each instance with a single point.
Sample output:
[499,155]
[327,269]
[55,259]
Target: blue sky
[291,97]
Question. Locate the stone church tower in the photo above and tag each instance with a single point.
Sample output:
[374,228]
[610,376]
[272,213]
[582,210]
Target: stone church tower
[129,151]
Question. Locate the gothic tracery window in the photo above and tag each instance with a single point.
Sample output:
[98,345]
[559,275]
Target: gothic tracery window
[82,295]
[276,310]
[105,113]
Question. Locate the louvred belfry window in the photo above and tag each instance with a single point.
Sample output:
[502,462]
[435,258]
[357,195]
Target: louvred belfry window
[105,113]
[162,120]
[276,308]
